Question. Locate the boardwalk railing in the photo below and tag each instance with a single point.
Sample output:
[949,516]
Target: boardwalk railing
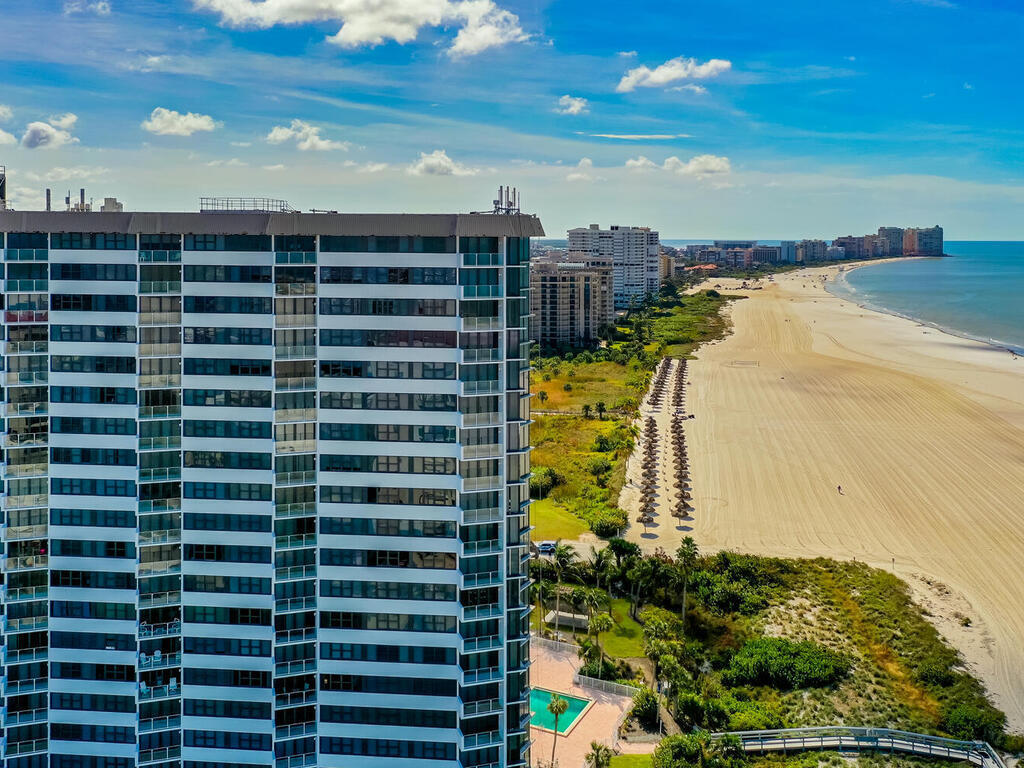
[605,686]
[979,753]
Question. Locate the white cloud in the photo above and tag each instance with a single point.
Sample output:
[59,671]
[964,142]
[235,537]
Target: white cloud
[700,90]
[641,136]
[699,166]
[437,163]
[627,54]
[486,26]
[6,138]
[850,58]
[277,167]
[234,162]
[307,137]
[168,122]
[65,122]
[241,143]
[572,105]
[100,7]
[675,69]
[482,24]
[40,135]
[641,164]
[372,168]
[968,87]
[61,173]
[6,113]
[583,172]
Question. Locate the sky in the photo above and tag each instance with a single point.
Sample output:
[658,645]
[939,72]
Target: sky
[731,118]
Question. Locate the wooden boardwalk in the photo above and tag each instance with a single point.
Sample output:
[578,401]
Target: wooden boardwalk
[883,740]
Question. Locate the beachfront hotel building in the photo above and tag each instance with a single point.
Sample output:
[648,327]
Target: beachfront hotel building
[265,494]
[923,242]
[571,298]
[635,257]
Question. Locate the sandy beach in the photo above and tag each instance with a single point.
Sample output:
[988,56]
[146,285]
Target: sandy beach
[924,431]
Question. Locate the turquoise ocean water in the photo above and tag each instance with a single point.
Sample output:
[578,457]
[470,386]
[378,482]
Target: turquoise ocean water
[978,293]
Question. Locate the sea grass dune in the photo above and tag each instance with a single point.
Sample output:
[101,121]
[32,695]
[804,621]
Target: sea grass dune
[825,429]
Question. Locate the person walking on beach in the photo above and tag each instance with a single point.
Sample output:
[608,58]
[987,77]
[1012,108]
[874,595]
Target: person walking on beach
[840,489]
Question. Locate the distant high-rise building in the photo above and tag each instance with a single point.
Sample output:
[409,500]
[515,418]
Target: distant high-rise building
[893,237]
[571,298]
[765,254]
[853,247]
[635,256]
[735,245]
[811,250]
[923,242]
[788,251]
[266,490]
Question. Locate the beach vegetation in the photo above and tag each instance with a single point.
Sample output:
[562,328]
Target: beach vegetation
[773,643]
[609,381]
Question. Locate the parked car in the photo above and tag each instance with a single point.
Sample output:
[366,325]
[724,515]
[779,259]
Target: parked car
[546,547]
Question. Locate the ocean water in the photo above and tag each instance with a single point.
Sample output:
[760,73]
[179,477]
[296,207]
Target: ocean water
[978,293]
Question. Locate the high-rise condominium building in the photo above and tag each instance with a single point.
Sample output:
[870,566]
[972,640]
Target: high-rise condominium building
[571,298]
[923,242]
[265,495]
[893,237]
[634,253]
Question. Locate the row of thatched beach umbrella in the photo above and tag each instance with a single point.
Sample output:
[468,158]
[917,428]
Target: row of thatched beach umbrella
[648,470]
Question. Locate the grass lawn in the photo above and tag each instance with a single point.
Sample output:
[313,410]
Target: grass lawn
[552,521]
[630,761]
[626,639]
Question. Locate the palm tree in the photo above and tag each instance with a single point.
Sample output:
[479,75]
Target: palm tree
[643,576]
[591,600]
[586,410]
[563,558]
[686,560]
[601,408]
[600,564]
[600,755]
[557,707]
[600,622]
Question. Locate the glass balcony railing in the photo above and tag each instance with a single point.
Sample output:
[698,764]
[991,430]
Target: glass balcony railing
[159,286]
[27,347]
[159,256]
[27,286]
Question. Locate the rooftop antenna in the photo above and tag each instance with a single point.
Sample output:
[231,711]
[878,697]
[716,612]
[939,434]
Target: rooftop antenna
[3,187]
[507,202]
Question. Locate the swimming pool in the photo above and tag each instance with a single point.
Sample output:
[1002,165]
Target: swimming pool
[541,718]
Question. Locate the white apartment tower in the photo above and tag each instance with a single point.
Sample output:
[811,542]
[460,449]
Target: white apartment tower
[265,490]
[634,252]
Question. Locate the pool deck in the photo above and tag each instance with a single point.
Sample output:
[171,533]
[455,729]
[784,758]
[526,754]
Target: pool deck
[554,671]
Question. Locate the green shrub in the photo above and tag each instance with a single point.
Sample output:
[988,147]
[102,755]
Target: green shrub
[970,722]
[785,664]
[645,708]
[542,481]
[599,465]
[935,670]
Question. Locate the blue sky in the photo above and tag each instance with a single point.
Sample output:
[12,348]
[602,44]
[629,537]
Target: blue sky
[726,118]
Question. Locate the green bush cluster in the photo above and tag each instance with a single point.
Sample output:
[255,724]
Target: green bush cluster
[645,708]
[785,664]
[542,481]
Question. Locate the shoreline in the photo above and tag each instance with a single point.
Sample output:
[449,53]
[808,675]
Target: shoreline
[923,430]
[1004,346]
